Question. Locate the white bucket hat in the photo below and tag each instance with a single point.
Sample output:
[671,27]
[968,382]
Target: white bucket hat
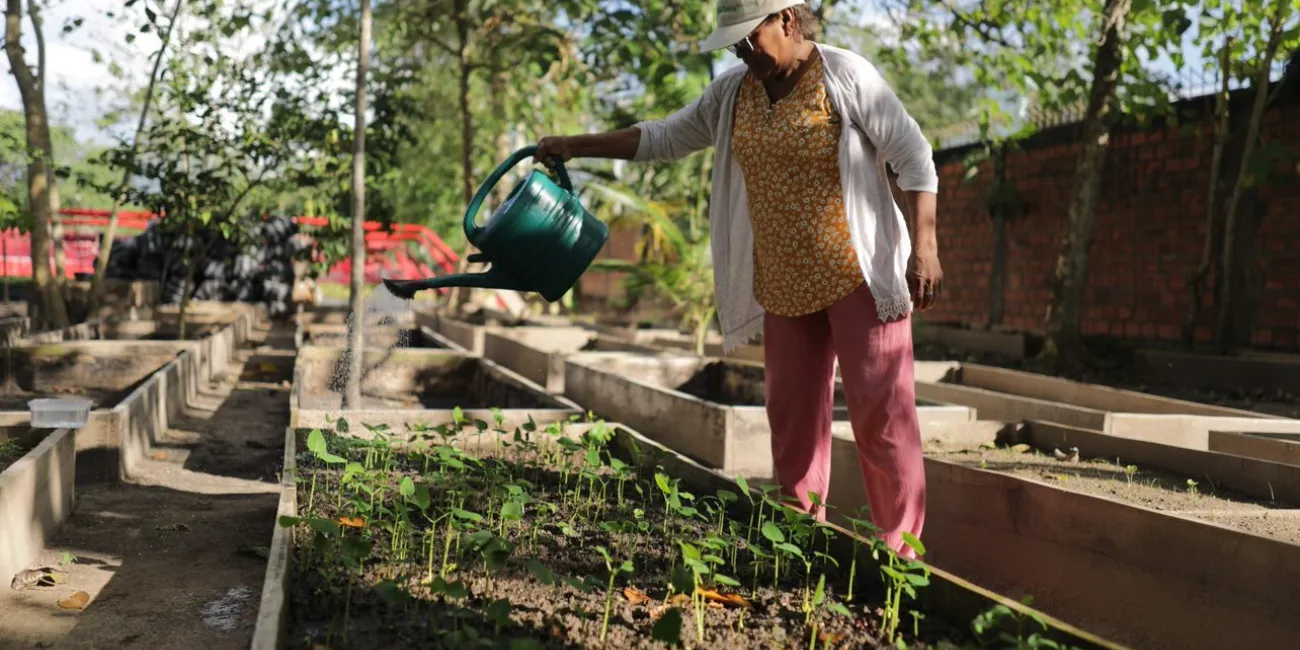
[737,18]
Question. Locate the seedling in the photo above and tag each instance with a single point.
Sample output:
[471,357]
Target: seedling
[624,567]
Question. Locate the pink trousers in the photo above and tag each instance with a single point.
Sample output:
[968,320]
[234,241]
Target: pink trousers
[875,361]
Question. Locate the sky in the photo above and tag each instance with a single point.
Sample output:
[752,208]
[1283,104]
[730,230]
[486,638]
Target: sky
[72,96]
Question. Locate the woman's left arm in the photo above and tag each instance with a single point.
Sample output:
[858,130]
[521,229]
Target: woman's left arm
[903,146]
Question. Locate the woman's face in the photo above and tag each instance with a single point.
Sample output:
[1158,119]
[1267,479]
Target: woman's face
[771,47]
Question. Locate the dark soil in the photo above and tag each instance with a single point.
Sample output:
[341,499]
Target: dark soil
[497,590]
[12,449]
[1111,370]
[1149,488]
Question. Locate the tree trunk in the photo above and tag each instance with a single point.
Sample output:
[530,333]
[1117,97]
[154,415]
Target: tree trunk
[1064,345]
[998,213]
[52,310]
[466,139]
[96,294]
[186,287]
[356,340]
[51,181]
[1223,320]
[1196,283]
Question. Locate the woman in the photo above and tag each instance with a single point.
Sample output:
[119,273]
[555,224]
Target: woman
[809,248]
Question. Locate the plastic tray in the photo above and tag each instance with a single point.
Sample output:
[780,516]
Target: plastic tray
[60,412]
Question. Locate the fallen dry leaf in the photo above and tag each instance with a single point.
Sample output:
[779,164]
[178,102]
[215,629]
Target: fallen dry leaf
[636,596]
[725,599]
[75,601]
[557,631]
[658,610]
[352,522]
[158,455]
[678,599]
[829,639]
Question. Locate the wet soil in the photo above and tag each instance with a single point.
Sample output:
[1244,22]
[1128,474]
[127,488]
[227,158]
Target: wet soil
[1269,402]
[539,580]
[175,558]
[1149,488]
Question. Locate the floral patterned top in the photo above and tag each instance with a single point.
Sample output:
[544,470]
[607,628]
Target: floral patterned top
[804,259]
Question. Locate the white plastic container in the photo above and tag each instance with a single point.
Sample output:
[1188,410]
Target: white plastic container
[60,412]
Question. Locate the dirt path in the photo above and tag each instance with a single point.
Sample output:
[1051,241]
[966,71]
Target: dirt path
[176,558]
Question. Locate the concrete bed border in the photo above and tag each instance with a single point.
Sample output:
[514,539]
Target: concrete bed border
[36,497]
[734,439]
[44,481]
[1094,561]
[546,367]
[1017,396]
[560,409]
[948,594]
[1272,447]
[131,426]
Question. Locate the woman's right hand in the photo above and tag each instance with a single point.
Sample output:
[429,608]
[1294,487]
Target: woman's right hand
[551,147]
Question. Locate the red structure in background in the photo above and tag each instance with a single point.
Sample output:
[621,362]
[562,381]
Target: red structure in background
[387,251]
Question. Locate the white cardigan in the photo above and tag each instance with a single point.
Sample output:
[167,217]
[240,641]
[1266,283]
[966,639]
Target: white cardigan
[883,131]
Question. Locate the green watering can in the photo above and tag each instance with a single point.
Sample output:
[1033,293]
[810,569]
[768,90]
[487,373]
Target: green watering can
[540,239]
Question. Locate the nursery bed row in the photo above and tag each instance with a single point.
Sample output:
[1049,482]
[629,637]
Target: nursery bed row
[136,387]
[556,538]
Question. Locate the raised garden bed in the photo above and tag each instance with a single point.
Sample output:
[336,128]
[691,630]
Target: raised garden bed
[708,409]
[135,387]
[538,353]
[409,387]
[1278,447]
[1015,395]
[581,544]
[378,336]
[36,491]
[1096,560]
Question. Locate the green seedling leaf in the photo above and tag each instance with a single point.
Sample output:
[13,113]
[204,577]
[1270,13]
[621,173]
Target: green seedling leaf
[744,486]
[466,515]
[457,415]
[498,611]
[727,496]
[540,571]
[683,580]
[668,628]
[316,445]
[790,548]
[772,532]
[324,526]
[839,608]
[351,470]
[392,593]
[289,522]
[912,541]
[512,510]
[421,497]
[407,487]
[725,580]
[661,480]
[454,590]
[354,549]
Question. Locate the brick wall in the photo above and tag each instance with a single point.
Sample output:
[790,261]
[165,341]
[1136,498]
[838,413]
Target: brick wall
[1148,239]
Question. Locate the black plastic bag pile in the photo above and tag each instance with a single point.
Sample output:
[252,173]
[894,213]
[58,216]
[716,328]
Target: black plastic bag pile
[259,272]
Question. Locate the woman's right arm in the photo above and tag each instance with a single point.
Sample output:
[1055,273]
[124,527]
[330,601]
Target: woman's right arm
[686,131]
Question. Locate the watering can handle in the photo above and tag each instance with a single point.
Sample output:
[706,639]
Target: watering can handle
[519,156]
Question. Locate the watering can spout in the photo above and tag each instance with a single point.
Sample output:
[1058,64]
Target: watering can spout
[406,289]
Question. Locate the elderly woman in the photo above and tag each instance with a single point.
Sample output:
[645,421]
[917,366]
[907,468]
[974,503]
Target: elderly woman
[809,247]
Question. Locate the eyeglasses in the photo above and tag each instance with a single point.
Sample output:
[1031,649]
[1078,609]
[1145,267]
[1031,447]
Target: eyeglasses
[746,46]
[741,49]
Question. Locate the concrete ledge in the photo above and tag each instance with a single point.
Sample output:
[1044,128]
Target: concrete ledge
[1276,448]
[1190,431]
[1133,575]
[711,349]
[465,335]
[1269,481]
[88,331]
[36,497]
[993,405]
[647,394]
[1093,396]
[1264,372]
[268,631]
[1013,345]
[537,353]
